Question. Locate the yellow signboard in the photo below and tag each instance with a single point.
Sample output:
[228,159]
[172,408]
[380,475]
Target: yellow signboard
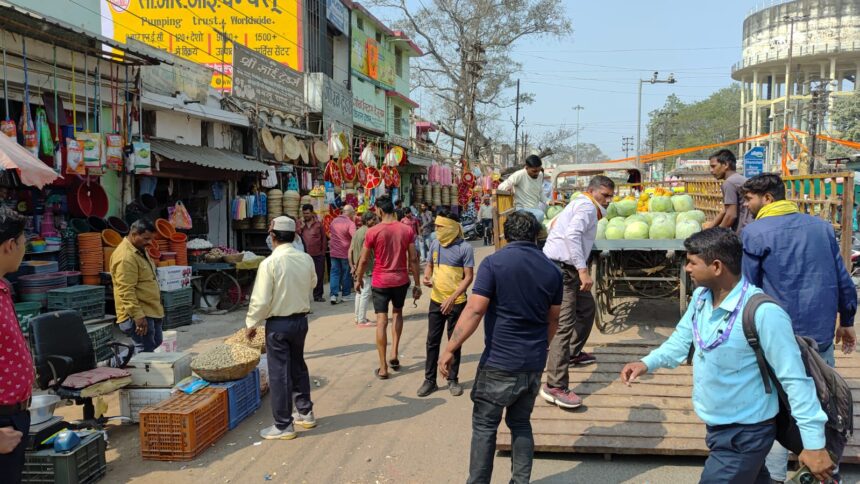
[191,29]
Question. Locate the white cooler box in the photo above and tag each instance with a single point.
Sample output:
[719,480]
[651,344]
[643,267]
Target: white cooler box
[133,400]
[159,370]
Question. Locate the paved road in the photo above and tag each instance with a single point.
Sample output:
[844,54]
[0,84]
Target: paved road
[373,431]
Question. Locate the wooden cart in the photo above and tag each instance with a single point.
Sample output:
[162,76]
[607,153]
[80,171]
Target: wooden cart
[645,269]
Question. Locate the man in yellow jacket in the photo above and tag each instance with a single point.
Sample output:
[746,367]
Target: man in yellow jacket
[135,288]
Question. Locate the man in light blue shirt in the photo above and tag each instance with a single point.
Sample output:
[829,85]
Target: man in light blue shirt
[728,392]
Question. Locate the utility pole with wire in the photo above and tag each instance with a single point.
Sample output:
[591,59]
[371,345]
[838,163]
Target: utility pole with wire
[578,109]
[517,127]
[788,88]
[627,145]
[670,80]
[474,68]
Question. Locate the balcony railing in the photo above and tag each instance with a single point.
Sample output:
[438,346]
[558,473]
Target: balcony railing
[800,50]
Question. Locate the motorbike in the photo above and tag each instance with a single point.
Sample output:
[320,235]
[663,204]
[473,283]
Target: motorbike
[472,229]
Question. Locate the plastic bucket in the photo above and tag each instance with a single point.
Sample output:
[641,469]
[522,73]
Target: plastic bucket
[111,238]
[80,225]
[178,237]
[97,224]
[164,228]
[89,200]
[118,224]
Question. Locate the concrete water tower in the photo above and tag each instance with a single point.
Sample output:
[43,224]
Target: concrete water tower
[802,41]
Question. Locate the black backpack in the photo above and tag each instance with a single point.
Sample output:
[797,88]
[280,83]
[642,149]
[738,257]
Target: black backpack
[832,390]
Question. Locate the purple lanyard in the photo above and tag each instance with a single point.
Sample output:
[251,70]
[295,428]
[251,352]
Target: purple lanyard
[725,334]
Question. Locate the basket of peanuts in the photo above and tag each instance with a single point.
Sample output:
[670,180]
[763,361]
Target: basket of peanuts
[225,362]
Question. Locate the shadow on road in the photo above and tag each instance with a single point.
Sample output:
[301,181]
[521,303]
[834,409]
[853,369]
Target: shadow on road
[407,408]
[341,351]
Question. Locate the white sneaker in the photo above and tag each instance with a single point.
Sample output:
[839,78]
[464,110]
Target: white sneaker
[274,433]
[333,300]
[351,297]
[307,421]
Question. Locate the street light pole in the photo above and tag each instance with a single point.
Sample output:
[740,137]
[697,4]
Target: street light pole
[786,119]
[670,80]
[577,108]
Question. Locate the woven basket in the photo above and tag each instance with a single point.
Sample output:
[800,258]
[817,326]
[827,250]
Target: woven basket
[233,258]
[239,338]
[212,258]
[236,371]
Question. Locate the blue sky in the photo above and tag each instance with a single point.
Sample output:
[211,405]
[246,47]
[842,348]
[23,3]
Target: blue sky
[614,44]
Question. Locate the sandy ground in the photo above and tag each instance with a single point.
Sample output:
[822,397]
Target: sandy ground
[372,431]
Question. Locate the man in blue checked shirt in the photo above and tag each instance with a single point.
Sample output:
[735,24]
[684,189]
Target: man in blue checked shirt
[728,393]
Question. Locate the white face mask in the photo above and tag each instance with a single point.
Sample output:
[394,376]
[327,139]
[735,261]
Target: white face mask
[269,241]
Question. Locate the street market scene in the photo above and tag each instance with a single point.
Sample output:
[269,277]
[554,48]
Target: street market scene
[400,242]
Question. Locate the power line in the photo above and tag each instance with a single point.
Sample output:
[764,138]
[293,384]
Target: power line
[607,51]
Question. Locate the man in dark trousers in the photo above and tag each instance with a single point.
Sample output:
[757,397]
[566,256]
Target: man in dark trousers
[449,271]
[281,301]
[518,294]
[795,259]
[728,391]
[314,239]
[16,372]
[571,238]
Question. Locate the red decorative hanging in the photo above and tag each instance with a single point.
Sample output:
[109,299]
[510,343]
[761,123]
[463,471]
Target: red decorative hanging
[374,178]
[361,173]
[348,170]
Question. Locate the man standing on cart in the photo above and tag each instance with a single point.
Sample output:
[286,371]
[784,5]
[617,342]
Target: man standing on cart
[571,238]
[527,185]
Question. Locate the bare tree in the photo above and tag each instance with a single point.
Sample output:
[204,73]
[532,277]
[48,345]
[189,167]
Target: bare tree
[457,34]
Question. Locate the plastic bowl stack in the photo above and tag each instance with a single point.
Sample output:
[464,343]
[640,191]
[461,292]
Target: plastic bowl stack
[91,257]
[178,245]
[34,288]
[291,204]
[275,201]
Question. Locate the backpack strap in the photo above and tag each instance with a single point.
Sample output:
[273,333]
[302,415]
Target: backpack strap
[751,334]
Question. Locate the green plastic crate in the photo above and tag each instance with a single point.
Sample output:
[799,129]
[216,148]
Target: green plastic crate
[174,318]
[101,335]
[177,298]
[68,297]
[83,465]
[25,311]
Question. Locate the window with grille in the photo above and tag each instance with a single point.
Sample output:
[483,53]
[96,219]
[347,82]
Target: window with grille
[359,22]
[378,37]
[398,120]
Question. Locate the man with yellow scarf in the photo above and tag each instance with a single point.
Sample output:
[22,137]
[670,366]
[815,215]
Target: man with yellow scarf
[449,271]
[795,259]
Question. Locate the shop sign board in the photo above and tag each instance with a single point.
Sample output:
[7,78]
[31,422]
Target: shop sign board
[338,15]
[183,76]
[264,81]
[368,106]
[372,59]
[191,29]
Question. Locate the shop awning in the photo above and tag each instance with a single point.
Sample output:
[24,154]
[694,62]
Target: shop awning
[31,170]
[205,156]
[419,160]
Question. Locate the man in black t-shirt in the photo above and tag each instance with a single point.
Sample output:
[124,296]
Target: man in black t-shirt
[518,293]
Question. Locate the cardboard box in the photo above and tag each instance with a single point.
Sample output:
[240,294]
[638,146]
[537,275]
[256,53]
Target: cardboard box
[172,278]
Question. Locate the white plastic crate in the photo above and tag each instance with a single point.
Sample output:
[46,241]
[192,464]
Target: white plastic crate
[133,400]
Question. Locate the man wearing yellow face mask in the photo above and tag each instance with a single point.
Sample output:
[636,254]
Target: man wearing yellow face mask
[449,271]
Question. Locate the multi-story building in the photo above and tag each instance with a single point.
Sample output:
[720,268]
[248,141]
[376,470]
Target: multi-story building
[807,42]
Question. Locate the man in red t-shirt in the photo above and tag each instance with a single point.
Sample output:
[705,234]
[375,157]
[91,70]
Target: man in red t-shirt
[393,247]
[16,370]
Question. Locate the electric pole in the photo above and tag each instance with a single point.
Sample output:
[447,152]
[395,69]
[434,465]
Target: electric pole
[517,126]
[653,80]
[788,88]
[474,68]
[578,109]
[627,145]
[817,113]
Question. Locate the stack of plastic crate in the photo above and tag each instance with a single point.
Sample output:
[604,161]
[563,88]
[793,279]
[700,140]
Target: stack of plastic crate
[183,426]
[177,307]
[86,463]
[88,300]
[101,336]
[243,397]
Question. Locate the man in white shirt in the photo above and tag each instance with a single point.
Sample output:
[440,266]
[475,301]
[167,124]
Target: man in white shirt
[485,214]
[281,300]
[571,238]
[527,185]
